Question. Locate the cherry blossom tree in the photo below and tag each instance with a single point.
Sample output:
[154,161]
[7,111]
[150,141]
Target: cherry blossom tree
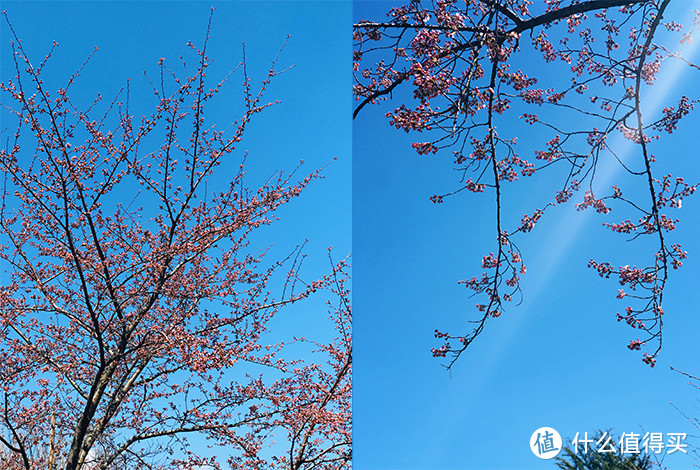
[574,76]
[136,318]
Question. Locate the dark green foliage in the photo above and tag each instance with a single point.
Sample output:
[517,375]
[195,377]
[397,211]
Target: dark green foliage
[592,460]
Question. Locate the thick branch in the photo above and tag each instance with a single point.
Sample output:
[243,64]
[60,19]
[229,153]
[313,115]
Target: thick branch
[520,27]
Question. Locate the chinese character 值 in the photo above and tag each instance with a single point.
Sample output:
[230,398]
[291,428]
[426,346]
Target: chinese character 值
[545,443]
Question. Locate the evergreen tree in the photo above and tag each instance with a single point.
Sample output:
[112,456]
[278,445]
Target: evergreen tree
[570,459]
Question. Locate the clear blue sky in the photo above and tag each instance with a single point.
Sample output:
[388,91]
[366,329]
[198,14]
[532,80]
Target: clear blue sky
[312,122]
[558,360]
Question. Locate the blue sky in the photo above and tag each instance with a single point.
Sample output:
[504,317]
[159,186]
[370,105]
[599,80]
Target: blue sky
[558,360]
[312,123]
